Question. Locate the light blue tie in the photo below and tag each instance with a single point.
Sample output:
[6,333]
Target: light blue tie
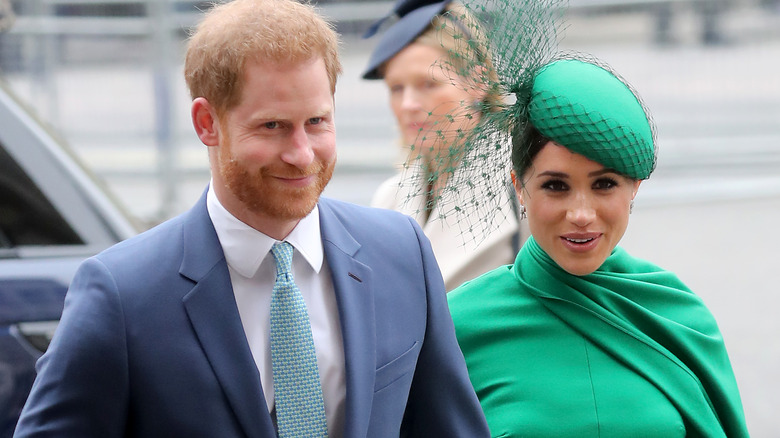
[300,409]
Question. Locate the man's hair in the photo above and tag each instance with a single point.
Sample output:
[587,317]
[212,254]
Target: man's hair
[276,31]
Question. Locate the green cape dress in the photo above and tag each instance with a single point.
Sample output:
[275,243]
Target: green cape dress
[625,351]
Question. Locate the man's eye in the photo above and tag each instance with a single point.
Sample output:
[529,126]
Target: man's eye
[315,120]
[271,125]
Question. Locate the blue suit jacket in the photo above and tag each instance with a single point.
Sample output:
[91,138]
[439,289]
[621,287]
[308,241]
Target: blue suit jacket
[151,344]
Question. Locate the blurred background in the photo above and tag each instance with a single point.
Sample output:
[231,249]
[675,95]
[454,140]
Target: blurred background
[106,77]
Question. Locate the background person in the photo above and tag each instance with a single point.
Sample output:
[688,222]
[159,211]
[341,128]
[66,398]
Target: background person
[186,329]
[426,87]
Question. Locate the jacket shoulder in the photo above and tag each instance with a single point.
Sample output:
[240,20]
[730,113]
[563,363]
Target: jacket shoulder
[350,213]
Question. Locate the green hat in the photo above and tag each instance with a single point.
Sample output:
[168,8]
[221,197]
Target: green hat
[590,111]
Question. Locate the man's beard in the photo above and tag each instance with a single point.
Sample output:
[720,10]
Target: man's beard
[262,194]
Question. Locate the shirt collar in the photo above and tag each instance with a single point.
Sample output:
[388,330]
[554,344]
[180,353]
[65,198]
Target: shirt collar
[245,248]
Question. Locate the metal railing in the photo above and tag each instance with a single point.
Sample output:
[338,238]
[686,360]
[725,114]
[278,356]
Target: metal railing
[183,14]
[708,11]
[149,34]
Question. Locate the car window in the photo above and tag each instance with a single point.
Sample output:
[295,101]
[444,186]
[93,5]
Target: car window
[26,216]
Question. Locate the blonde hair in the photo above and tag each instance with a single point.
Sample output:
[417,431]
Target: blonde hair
[230,34]
[455,31]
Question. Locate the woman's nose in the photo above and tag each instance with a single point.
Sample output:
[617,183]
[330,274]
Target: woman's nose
[410,100]
[581,213]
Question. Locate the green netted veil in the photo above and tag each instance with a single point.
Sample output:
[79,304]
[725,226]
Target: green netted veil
[508,49]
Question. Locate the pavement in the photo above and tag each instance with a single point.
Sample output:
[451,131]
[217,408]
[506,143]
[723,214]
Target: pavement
[709,213]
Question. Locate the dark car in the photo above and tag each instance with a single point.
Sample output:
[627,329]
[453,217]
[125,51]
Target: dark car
[52,216]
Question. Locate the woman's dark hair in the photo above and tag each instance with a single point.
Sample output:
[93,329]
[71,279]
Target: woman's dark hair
[525,146]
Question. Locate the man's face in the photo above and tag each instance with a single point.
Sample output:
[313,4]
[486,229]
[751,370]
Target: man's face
[277,148]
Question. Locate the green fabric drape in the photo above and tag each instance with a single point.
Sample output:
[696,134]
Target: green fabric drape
[630,321]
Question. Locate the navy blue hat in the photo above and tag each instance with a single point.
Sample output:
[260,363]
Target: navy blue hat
[415,16]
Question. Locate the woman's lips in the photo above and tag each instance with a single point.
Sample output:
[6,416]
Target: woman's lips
[414,131]
[581,242]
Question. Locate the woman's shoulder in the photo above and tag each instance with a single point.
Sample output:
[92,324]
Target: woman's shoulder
[481,289]
[624,264]
[386,194]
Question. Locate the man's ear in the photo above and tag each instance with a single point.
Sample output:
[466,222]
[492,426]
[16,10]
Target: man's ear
[204,119]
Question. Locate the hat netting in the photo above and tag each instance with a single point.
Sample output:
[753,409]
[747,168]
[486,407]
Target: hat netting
[508,50]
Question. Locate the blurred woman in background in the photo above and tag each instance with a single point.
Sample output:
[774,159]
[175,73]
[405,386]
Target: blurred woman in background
[436,98]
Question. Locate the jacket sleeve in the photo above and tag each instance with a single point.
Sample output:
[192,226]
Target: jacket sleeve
[81,387]
[442,401]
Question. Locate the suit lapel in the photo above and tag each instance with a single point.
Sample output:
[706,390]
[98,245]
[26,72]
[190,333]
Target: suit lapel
[213,312]
[353,285]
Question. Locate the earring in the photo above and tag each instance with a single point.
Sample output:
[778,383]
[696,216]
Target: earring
[631,207]
[522,212]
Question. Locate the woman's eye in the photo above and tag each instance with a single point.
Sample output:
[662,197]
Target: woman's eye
[604,184]
[555,186]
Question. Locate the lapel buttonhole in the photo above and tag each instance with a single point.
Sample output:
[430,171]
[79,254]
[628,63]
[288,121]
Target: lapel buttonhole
[355,277]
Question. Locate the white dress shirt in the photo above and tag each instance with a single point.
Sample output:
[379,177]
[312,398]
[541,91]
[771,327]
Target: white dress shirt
[253,273]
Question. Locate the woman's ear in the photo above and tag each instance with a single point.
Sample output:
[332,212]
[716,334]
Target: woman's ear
[204,119]
[518,185]
[479,93]
[636,188]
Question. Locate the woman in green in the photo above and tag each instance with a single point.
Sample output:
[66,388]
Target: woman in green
[578,338]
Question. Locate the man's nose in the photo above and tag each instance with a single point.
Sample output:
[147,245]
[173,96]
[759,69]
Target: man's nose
[299,152]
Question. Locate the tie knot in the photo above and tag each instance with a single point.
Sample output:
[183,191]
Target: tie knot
[282,252]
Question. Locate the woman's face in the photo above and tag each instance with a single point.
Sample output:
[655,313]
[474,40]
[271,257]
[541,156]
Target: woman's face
[422,95]
[577,209]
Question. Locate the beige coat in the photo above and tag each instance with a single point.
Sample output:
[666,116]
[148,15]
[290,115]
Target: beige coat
[460,257]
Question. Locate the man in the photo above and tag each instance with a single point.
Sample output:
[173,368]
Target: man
[171,333]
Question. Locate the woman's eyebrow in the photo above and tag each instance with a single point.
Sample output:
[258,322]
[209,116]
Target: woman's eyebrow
[601,172]
[554,174]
